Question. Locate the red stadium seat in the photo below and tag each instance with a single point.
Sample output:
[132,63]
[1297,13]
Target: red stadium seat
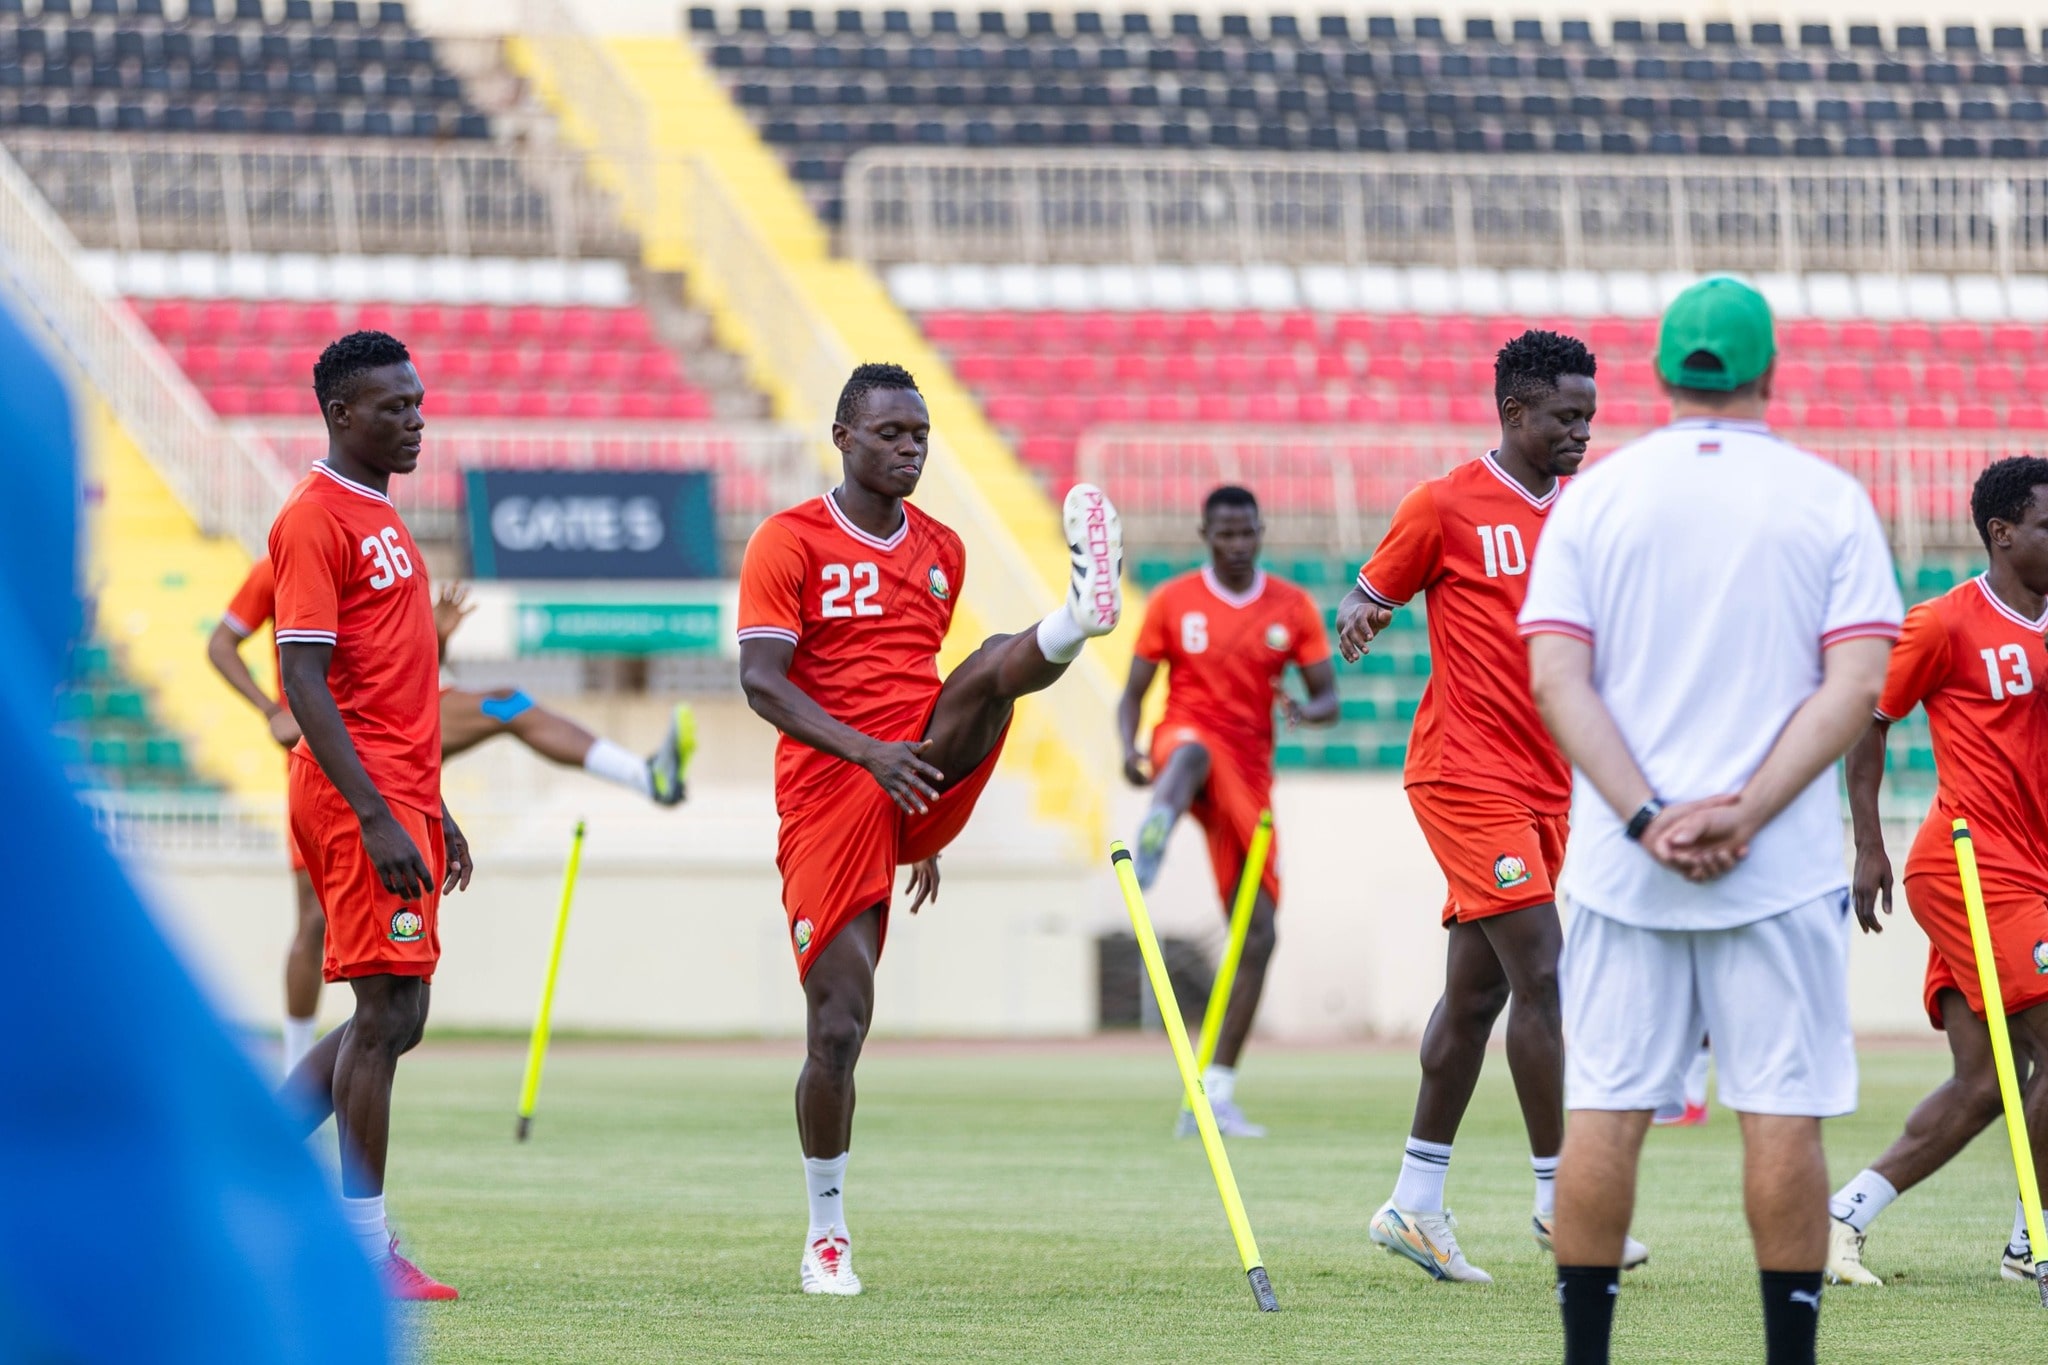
[1994,378]
[487,403]
[1842,379]
[976,371]
[1909,338]
[530,324]
[2026,417]
[1201,331]
[1151,330]
[1220,407]
[1460,333]
[1796,378]
[533,403]
[1806,337]
[1354,329]
[587,406]
[476,324]
[640,405]
[1367,409]
[1301,329]
[1107,408]
[284,400]
[1250,332]
[1333,367]
[1317,408]
[626,327]
[1977,417]
[1860,338]
[166,317]
[2034,378]
[576,326]
[272,320]
[1047,331]
[655,367]
[1472,410]
[1078,370]
[1891,377]
[1926,417]
[1874,414]
[1960,340]
[1103,333]
[945,329]
[1944,378]
[231,400]
[1169,409]
[1824,417]
[1404,330]
[2014,340]
[219,319]
[1622,414]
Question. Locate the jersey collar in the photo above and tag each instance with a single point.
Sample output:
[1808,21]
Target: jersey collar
[1493,467]
[1983,582]
[1759,426]
[1234,599]
[321,467]
[846,525]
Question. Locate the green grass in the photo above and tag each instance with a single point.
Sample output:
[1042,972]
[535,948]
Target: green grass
[1013,1202]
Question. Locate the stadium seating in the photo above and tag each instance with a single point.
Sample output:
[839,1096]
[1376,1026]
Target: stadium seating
[108,736]
[823,85]
[236,66]
[253,358]
[1047,376]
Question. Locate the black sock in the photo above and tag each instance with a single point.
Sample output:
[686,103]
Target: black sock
[1586,1293]
[1791,1315]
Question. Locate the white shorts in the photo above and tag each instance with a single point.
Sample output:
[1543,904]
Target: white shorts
[1773,996]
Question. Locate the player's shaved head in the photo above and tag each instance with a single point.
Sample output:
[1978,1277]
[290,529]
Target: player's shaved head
[2004,492]
[348,359]
[867,379]
[1529,367]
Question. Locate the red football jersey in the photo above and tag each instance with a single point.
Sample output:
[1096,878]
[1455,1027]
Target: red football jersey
[1975,663]
[1465,540]
[349,575]
[867,617]
[254,603]
[1226,653]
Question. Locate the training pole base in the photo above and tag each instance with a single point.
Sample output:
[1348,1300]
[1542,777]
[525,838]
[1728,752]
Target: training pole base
[525,1127]
[1262,1289]
[2041,1277]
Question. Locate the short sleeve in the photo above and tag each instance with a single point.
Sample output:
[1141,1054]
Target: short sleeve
[1917,665]
[772,585]
[1410,556]
[1560,599]
[1311,641]
[1863,589]
[254,602]
[310,555]
[1152,633]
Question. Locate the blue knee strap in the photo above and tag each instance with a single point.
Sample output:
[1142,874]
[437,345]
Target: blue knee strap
[505,710]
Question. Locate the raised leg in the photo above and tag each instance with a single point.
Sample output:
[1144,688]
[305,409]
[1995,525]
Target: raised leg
[465,724]
[1526,944]
[839,999]
[1454,1044]
[976,702]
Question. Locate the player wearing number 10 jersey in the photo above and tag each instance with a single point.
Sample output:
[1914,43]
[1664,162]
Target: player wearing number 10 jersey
[1488,786]
[844,601]
[1974,658]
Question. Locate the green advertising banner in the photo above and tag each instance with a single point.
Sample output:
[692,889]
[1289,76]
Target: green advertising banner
[621,627]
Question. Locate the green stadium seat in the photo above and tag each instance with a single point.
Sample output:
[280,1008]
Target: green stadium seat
[1309,573]
[1934,579]
[1919,759]
[124,704]
[1290,755]
[163,753]
[1340,755]
[1405,708]
[1391,755]
[91,663]
[74,706]
[1358,709]
[110,752]
[1377,665]
[70,750]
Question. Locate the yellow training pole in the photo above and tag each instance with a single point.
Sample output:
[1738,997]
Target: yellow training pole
[537,1046]
[2001,1049]
[1191,1079]
[1240,925]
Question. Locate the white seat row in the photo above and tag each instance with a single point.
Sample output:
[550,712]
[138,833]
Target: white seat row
[395,279]
[1430,289]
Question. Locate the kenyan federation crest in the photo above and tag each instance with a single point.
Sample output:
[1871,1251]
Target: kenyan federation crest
[2041,958]
[935,579]
[407,926]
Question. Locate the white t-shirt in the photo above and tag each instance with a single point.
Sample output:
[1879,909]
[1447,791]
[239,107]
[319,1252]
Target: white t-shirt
[1709,564]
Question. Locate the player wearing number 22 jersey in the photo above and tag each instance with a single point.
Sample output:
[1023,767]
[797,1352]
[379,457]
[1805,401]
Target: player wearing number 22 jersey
[844,601]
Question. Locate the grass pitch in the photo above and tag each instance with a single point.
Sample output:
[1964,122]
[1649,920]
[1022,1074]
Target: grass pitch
[1017,1202]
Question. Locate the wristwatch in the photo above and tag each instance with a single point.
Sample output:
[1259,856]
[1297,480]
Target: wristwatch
[1645,813]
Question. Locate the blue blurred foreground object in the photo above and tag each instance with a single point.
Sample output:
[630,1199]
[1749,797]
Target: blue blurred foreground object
[154,1201]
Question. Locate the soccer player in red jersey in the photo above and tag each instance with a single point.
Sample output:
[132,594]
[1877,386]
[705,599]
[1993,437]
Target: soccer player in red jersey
[355,637]
[468,718]
[1487,784]
[1974,658]
[844,601]
[1227,632]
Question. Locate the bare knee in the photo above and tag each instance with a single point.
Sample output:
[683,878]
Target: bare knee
[1536,988]
[1473,1011]
[392,1026]
[1191,760]
[1977,1096]
[1261,936]
[836,1035]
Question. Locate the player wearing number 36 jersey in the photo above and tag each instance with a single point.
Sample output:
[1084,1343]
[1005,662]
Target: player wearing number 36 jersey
[844,601]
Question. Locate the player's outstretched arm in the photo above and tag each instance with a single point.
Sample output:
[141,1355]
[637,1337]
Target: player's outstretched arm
[224,652]
[1359,619]
[391,850]
[896,767]
[1864,773]
[1130,711]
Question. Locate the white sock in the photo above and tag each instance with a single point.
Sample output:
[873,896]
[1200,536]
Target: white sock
[298,1040]
[365,1218]
[1860,1201]
[1221,1083]
[612,763]
[825,1178]
[1060,638]
[1546,1185]
[1423,1168]
[1696,1078]
[2019,1226]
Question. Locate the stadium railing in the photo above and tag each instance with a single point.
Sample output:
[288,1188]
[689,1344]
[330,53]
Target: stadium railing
[229,487]
[149,191]
[1333,488]
[1695,214]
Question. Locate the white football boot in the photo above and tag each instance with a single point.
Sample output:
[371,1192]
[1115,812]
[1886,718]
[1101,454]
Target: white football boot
[1633,1253]
[1095,539]
[1845,1255]
[828,1267]
[1429,1240]
[2017,1263]
[1230,1122]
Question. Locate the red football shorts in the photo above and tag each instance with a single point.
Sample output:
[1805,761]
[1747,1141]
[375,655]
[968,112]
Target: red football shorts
[838,855]
[291,840]
[370,931]
[1227,808]
[1497,855]
[2018,919]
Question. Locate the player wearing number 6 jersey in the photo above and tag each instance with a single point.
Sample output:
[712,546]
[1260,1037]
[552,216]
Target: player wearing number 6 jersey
[1974,658]
[1488,786]
[844,601]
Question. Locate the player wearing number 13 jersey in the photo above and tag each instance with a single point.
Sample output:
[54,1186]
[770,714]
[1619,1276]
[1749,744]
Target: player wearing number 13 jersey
[844,601]
[1974,658]
[1488,786]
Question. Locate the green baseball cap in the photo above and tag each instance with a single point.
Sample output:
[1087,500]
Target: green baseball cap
[1726,319]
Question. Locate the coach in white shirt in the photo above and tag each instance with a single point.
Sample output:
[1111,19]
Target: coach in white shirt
[1709,616]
